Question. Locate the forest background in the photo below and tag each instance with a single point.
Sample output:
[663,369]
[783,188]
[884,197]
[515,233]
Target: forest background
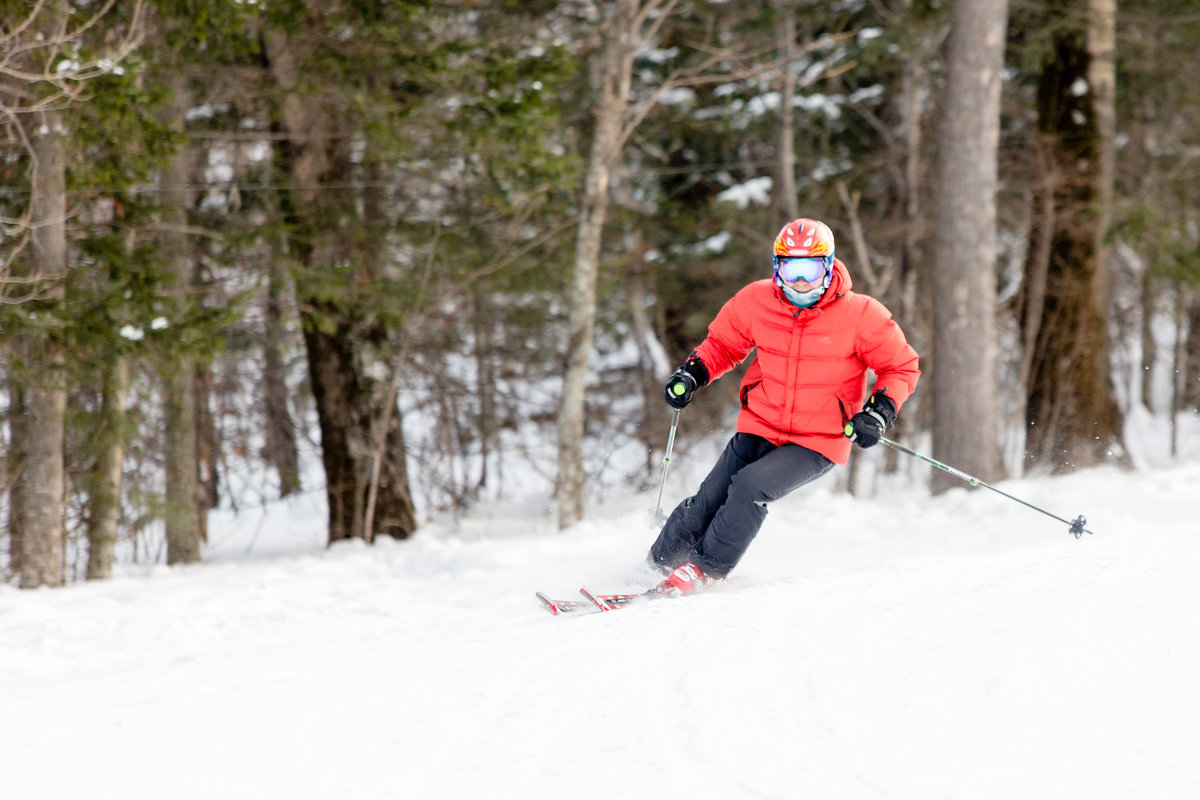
[409,242]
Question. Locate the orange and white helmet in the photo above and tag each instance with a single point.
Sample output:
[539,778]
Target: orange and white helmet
[803,250]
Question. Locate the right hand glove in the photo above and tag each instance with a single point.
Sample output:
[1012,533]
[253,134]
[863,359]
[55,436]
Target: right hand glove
[684,382]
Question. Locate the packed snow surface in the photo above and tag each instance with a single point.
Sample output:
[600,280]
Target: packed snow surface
[902,645]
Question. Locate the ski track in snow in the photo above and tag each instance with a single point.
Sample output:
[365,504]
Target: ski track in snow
[894,647]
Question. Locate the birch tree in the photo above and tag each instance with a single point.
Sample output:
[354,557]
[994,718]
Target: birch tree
[628,26]
[44,70]
[42,73]
[40,383]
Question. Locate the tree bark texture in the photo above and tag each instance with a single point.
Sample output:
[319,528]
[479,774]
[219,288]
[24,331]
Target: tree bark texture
[348,403]
[105,496]
[41,481]
[38,432]
[964,368]
[182,501]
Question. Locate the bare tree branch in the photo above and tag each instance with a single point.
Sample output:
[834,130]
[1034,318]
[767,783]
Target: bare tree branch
[40,72]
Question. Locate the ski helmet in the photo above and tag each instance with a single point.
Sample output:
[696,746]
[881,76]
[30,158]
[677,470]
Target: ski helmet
[810,243]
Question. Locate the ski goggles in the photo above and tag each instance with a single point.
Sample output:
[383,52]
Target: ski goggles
[801,270]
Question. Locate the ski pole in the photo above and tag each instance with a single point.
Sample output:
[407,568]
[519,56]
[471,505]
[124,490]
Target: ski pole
[658,515]
[1076,528]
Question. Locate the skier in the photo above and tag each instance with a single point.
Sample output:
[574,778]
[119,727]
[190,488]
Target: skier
[816,338]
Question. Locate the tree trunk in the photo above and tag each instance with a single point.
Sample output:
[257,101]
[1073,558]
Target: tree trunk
[1191,357]
[41,483]
[1179,373]
[913,269]
[38,429]
[1102,79]
[348,402]
[1071,410]
[348,350]
[179,456]
[964,374]
[484,327]
[613,90]
[281,450]
[182,501]
[105,497]
[208,448]
[911,74]
[1149,352]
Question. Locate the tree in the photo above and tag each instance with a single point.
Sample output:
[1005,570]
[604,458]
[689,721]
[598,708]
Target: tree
[280,449]
[964,268]
[337,234]
[182,497]
[1071,412]
[39,386]
[1156,199]
[105,506]
[629,26]
[46,65]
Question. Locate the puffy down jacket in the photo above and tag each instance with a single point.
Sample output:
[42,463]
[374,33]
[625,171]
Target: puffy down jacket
[810,372]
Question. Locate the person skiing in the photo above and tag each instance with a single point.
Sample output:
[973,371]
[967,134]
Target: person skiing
[800,399]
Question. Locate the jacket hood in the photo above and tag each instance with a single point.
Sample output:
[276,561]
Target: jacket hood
[840,283]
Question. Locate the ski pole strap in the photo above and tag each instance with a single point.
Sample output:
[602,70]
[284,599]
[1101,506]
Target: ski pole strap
[1076,526]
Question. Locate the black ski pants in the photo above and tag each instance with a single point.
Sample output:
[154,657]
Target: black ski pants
[714,527]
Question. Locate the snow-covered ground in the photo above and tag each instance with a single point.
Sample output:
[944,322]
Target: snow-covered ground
[897,646]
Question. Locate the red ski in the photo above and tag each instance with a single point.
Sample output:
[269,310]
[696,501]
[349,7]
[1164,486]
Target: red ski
[599,602]
[612,602]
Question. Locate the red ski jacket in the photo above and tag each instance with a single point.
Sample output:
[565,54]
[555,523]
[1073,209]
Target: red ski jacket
[810,373]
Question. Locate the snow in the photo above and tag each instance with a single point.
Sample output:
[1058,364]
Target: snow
[902,645]
[756,191]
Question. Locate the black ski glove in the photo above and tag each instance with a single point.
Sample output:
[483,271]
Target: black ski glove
[866,427]
[684,382]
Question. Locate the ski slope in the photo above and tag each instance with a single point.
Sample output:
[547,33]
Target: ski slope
[900,646]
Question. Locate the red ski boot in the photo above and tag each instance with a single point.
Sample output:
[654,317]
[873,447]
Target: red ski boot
[685,579]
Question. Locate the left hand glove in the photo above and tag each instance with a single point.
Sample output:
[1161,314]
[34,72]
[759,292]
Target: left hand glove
[866,427]
[684,382]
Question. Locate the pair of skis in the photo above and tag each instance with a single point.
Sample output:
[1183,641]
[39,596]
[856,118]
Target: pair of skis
[592,602]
